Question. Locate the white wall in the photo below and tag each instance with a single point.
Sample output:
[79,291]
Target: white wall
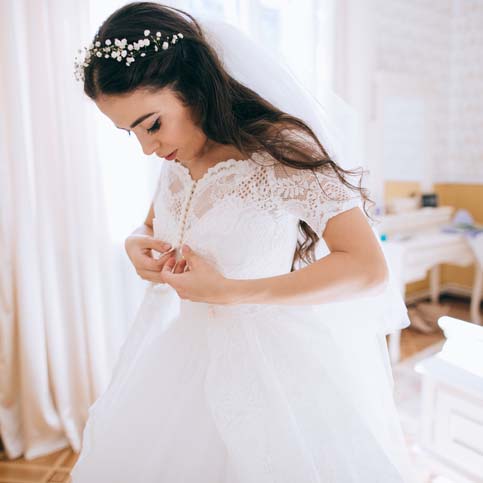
[465,157]
[440,44]
[414,70]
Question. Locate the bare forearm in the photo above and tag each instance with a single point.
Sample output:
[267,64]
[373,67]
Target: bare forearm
[336,277]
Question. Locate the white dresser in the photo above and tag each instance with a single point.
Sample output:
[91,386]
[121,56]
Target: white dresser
[452,403]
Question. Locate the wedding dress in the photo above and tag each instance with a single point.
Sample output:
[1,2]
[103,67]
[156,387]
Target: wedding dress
[252,393]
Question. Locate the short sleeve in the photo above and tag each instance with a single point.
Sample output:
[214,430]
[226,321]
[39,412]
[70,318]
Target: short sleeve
[312,195]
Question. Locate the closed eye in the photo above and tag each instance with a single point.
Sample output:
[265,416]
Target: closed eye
[154,127]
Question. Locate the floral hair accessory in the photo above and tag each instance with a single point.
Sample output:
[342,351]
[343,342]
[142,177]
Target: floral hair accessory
[120,50]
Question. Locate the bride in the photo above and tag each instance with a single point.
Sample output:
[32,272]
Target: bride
[250,359]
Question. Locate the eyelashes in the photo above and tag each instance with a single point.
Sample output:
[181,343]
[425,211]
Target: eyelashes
[154,127]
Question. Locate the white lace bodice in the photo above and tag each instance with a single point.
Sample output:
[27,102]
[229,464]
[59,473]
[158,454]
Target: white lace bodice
[243,215]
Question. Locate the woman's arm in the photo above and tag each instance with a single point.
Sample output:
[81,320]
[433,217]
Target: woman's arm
[355,266]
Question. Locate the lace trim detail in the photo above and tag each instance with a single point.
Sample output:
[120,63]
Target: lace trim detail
[314,196]
[221,165]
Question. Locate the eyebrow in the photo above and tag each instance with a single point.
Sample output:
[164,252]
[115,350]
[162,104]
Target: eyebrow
[138,120]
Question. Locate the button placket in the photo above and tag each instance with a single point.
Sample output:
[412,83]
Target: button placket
[185,215]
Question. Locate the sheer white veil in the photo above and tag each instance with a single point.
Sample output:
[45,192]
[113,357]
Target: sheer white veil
[335,123]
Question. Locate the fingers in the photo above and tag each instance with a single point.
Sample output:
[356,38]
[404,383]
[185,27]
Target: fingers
[180,266]
[174,266]
[170,264]
[152,270]
[154,264]
[142,251]
[146,242]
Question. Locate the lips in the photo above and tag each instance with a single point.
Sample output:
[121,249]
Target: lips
[171,155]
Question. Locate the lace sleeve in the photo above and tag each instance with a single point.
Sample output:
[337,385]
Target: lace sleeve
[312,195]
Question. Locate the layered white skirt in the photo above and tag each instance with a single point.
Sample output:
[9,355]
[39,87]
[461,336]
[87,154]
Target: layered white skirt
[247,394]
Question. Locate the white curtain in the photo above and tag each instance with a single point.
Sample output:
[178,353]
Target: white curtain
[72,187]
[62,318]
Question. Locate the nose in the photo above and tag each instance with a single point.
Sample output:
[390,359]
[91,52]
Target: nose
[148,145]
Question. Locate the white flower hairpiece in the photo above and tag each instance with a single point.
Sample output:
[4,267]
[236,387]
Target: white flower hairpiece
[120,50]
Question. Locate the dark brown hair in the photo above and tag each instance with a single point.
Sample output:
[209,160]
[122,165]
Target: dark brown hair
[227,111]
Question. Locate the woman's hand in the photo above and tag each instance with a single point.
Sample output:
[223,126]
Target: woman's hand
[195,279]
[138,248]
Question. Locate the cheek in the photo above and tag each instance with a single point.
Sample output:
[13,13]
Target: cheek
[183,135]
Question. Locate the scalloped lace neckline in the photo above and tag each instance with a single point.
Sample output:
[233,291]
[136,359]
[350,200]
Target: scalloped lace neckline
[212,169]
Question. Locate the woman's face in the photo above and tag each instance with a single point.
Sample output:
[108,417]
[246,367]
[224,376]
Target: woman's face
[159,120]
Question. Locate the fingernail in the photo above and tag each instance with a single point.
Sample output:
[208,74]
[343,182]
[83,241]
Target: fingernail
[167,246]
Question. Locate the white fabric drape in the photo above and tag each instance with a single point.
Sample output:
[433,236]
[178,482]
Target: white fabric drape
[61,318]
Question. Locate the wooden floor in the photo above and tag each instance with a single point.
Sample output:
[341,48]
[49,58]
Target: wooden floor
[55,468]
[413,341]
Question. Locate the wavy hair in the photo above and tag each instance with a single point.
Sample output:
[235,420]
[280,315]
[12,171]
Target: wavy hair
[226,111]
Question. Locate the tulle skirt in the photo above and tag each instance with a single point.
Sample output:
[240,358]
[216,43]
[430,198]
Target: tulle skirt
[247,394]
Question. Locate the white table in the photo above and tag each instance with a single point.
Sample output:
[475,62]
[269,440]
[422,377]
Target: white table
[427,251]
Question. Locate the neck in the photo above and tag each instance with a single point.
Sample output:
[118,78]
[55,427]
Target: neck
[212,153]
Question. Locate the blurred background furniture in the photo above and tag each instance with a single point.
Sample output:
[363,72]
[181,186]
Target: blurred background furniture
[451,412]
[414,243]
